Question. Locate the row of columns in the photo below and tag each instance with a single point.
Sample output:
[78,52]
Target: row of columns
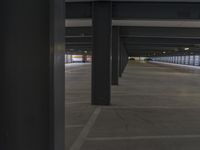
[109,54]
[32,77]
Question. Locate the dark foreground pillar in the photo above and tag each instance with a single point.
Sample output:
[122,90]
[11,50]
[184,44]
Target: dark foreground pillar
[101,65]
[32,65]
[115,55]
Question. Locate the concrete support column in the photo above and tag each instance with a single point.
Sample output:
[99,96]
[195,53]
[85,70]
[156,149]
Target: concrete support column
[123,59]
[101,60]
[185,60]
[2,101]
[32,75]
[193,60]
[180,59]
[199,60]
[120,60]
[115,55]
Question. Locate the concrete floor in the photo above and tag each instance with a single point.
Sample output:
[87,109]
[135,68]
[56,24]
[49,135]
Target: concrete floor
[155,107]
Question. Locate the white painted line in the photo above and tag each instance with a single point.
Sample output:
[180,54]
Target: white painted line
[150,107]
[116,93]
[76,64]
[69,70]
[143,137]
[72,103]
[74,126]
[80,140]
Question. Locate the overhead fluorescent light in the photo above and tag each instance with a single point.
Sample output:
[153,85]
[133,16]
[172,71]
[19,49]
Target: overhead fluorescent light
[186,49]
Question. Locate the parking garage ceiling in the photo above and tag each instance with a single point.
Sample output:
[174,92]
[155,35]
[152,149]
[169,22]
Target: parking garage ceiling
[139,23]
[146,40]
[173,30]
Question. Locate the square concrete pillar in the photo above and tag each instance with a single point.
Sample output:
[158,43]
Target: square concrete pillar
[101,60]
[115,55]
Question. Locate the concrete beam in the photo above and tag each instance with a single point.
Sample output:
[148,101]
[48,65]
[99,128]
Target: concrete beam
[155,40]
[141,32]
[160,32]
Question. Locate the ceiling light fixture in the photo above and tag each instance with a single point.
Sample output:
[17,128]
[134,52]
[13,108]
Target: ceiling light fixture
[186,49]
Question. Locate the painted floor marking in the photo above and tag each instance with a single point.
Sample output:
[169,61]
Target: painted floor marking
[74,126]
[142,137]
[81,138]
[151,107]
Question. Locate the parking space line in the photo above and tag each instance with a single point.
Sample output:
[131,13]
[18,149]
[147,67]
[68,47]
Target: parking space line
[151,107]
[74,126]
[81,138]
[142,137]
